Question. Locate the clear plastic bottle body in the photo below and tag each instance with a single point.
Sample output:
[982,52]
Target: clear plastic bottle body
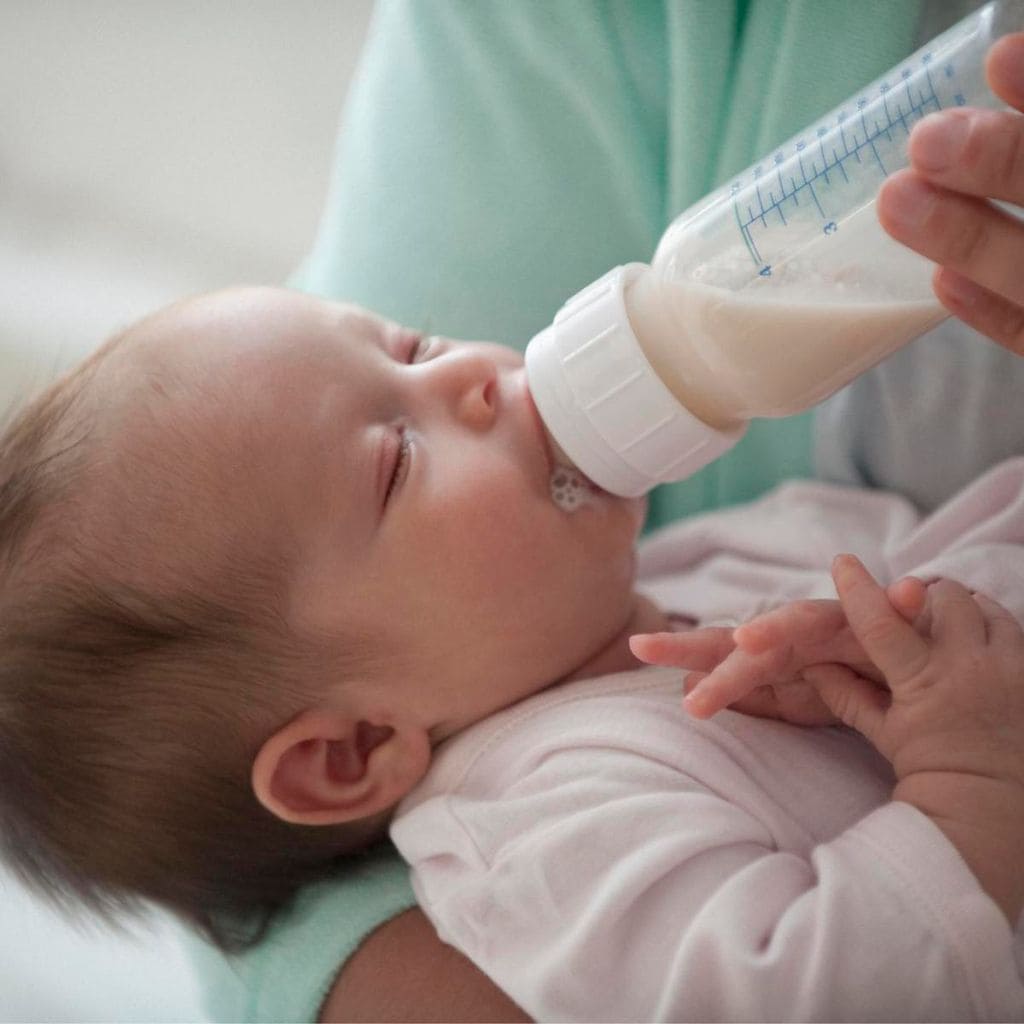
[766,296]
[781,287]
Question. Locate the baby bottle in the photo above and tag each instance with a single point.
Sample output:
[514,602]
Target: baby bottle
[763,298]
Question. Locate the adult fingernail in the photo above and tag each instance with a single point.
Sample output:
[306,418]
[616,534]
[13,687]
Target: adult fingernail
[960,290]
[1006,68]
[908,200]
[937,142]
[845,563]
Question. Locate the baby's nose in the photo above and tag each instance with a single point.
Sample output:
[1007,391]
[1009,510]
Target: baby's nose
[468,380]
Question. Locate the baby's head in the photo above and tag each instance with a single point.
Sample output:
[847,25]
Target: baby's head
[258,555]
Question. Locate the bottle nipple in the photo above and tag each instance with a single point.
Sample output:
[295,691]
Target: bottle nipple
[570,489]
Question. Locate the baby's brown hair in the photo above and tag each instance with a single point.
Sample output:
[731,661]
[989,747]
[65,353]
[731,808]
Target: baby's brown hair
[130,714]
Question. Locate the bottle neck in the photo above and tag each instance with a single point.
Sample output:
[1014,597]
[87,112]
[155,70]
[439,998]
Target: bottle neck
[600,396]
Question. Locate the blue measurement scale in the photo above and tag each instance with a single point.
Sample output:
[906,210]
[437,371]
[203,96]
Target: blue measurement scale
[837,167]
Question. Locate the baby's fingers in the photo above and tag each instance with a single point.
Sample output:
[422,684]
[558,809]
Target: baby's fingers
[887,638]
[700,649]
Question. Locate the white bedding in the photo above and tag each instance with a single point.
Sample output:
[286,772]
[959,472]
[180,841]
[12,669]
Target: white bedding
[51,971]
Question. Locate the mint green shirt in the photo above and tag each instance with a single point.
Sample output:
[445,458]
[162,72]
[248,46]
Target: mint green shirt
[494,157]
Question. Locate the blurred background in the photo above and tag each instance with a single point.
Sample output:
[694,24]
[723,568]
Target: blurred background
[154,148]
[149,149]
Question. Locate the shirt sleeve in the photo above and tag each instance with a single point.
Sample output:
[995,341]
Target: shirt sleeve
[598,888]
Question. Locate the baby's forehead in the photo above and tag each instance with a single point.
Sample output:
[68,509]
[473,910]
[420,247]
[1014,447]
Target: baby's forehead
[213,437]
[229,338]
[236,384]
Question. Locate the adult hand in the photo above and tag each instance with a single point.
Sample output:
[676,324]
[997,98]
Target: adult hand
[960,159]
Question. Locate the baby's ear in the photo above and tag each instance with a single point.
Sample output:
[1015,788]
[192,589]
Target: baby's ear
[327,766]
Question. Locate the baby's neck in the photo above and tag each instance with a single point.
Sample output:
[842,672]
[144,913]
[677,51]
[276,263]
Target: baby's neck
[616,656]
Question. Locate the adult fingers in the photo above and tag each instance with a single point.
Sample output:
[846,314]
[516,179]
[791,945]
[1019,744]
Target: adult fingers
[976,152]
[735,678]
[696,649]
[802,622]
[690,681]
[968,235]
[797,703]
[1004,68]
[887,638]
[995,317]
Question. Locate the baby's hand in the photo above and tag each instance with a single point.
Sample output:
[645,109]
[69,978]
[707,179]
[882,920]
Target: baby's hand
[758,668]
[952,723]
[955,689]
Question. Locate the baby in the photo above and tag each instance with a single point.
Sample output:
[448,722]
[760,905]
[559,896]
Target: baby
[262,554]
[256,555]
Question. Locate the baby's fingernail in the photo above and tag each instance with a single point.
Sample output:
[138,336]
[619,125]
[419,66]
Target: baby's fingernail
[908,200]
[938,141]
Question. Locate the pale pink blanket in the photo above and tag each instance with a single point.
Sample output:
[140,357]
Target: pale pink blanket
[744,560]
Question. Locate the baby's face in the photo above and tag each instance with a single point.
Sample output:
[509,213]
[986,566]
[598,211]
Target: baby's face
[406,480]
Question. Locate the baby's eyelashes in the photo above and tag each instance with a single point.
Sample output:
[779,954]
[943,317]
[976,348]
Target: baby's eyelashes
[426,347]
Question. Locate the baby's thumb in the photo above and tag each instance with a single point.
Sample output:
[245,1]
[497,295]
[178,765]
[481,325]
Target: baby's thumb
[854,700]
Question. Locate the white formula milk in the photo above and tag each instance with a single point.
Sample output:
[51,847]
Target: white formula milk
[652,372]
[780,345]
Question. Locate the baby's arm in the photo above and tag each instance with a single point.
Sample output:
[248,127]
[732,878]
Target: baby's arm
[948,715]
[759,667]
